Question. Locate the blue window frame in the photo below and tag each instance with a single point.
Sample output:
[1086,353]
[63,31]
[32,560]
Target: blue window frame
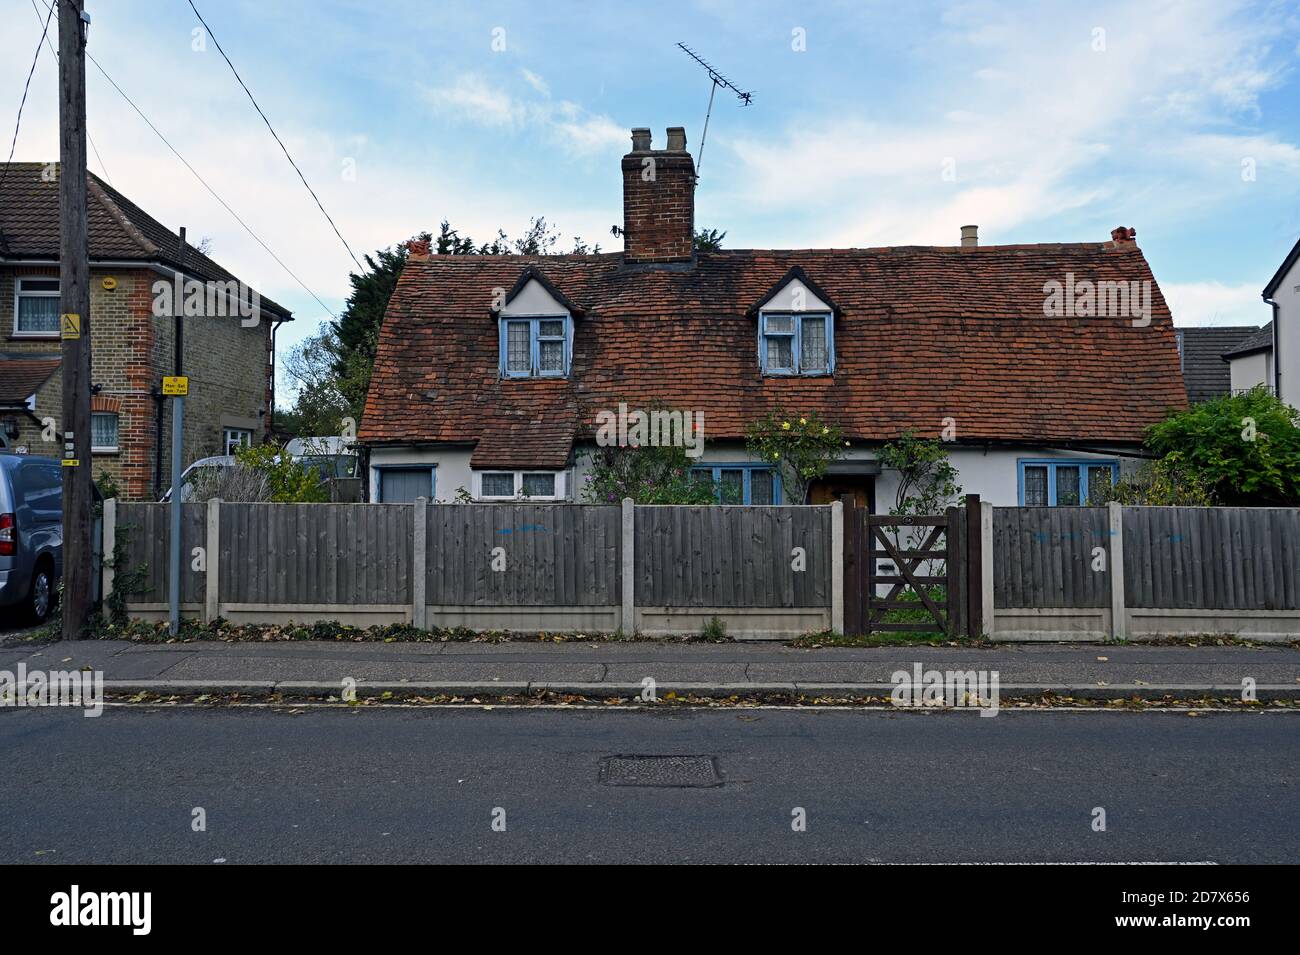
[539,346]
[796,343]
[1061,482]
[742,483]
[403,483]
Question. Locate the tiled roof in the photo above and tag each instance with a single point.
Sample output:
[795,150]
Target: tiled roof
[117,228]
[1205,372]
[20,377]
[1261,340]
[925,333]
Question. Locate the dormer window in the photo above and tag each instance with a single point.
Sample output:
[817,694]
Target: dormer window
[796,328]
[795,343]
[535,329]
[539,347]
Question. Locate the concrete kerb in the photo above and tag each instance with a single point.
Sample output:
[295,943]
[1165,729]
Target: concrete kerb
[291,689]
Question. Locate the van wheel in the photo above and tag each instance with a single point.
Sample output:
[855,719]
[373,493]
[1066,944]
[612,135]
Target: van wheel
[40,599]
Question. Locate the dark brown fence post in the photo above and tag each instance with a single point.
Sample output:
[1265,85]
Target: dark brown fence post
[852,568]
[953,568]
[974,569]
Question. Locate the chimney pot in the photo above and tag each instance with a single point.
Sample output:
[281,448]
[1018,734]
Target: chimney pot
[658,200]
[970,236]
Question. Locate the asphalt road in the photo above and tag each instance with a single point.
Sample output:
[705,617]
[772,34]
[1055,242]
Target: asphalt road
[421,785]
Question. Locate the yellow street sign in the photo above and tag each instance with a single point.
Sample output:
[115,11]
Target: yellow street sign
[176,386]
[70,322]
[71,463]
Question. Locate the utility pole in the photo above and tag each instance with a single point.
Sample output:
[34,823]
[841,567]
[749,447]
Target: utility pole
[177,387]
[74,321]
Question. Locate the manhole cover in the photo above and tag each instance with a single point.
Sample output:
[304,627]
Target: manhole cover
[679,771]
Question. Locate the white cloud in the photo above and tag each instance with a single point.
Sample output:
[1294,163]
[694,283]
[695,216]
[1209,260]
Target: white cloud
[1051,127]
[471,99]
[1213,303]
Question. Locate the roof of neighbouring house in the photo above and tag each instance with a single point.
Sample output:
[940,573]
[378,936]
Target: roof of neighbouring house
[924,333]
[1204,371]
[1291,258]
[21,377]
[1261,339]
[117,229]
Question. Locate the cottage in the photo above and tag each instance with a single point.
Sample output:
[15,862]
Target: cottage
[494,373]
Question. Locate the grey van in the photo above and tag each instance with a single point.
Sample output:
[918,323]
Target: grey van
[31,536]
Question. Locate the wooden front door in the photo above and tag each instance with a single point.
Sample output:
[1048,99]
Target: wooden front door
[859,488]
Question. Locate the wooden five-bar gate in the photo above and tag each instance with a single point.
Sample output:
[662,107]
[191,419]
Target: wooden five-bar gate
[929,563]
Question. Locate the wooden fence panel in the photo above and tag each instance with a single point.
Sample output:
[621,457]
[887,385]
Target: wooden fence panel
[560,555]
[148,534]
[1212,558]
[1042,557]
[350,554]
[732,556]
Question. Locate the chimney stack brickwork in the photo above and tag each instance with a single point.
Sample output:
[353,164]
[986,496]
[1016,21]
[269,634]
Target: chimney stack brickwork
[658,200]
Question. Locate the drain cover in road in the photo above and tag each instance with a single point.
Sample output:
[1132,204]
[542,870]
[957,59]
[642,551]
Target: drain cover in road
[670,771]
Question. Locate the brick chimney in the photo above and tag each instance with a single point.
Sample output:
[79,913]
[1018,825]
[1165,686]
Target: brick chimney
[658,200]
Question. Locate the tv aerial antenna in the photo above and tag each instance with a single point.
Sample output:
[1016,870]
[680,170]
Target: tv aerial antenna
[746,99]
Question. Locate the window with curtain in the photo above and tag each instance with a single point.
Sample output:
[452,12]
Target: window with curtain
[103,431]
[536,347]
[741,483]
[512,485]
[538,485]
[1066,483]
[36,308]
[498,484]
[796,344]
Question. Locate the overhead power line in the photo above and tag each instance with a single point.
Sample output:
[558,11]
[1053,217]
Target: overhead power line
[23,102]
[225,205]
[283,148]
[48,43]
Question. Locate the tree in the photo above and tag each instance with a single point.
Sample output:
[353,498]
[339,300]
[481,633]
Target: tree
[709,240]
[1245,447]
[321,402]
[927,481]
[800,448]
[1162,483]
[927,484]
[647,474]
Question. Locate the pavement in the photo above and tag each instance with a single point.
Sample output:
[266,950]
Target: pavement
[619,669]
[324,785]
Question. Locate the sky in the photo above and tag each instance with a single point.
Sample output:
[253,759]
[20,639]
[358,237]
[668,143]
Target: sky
[873,123]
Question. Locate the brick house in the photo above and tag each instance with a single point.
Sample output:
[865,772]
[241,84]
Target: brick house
[492,371]
[228,358]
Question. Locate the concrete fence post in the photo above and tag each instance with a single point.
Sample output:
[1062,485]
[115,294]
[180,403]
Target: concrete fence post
[419,560]
[837,566]
[212,563]
[106,551]
[986,567]
[627,616]
[1118,611]
[976,625]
